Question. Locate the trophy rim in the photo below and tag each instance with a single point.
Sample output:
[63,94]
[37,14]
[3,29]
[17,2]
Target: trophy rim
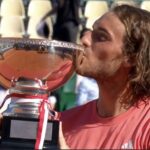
[37,44]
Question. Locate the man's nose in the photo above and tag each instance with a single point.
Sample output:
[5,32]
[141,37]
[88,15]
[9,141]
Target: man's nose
[86,40]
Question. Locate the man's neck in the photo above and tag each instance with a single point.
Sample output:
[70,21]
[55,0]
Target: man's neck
[110,101]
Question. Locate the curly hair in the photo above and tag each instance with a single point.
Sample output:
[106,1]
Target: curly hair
[137,48]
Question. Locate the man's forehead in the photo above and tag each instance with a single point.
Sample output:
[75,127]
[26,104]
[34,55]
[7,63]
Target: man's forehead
[107,17]
[109,20]
[111,24]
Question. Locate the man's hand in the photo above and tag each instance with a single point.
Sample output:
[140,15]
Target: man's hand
[62,142]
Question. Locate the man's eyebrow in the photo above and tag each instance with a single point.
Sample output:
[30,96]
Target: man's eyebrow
[101,29]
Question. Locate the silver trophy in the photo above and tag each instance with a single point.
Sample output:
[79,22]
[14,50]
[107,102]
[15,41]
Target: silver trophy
[30,69]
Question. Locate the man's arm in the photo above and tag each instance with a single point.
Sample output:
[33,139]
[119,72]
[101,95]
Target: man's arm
[62,142]
[56,5]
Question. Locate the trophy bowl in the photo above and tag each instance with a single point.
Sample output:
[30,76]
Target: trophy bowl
[31,69]
[49,61]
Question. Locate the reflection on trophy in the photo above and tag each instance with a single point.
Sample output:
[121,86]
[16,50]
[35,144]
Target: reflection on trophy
[31,69]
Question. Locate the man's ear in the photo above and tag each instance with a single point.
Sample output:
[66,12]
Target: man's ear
[129,61]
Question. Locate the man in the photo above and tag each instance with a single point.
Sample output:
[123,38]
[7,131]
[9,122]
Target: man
[118,58]
[66,24]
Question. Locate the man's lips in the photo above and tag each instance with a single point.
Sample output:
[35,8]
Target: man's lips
[80,58]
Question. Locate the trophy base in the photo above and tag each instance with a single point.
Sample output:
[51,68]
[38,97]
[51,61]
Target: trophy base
[20,133]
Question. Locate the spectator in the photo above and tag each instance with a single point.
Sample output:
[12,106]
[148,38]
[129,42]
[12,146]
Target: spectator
[67,20]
